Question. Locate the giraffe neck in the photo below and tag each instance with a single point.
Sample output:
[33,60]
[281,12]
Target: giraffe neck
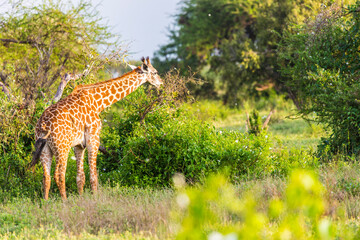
[106,93]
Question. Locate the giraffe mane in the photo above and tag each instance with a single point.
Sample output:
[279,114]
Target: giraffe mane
[95,85]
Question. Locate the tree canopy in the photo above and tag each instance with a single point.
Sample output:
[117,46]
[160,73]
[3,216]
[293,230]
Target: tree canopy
[320,60]
[232,44]
[40,43]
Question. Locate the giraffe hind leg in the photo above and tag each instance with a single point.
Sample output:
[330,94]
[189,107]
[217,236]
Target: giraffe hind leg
[92,146]
[92,154]
[60,170]
[80,176]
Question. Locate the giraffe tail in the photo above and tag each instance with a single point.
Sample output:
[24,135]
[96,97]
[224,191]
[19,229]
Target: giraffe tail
[39,146]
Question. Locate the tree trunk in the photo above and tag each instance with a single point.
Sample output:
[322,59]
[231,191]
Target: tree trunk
[64,80]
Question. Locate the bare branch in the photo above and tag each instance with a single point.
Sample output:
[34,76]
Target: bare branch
[261,88]
[52,80]
[247,125]
[5,90]
[15,41]
[64,80]
[103,150]
[30,42]
[267,119]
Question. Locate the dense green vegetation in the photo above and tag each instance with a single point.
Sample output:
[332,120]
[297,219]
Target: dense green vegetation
[308,50]
[320,60]
[233,44]
[201,158]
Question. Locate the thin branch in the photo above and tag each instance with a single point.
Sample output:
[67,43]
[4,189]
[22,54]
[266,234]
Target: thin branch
[247,125]
[59,69]
[267,119]
[16,41]
[30,42]
[5,90]
[103,150]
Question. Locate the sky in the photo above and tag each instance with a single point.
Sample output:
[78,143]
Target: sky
[141,23]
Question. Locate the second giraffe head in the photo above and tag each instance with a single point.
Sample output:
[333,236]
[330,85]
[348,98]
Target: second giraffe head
[149,72]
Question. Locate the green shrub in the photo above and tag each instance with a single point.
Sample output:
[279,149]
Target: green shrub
[16,140]
[171,141]
[255,123]
[320,60]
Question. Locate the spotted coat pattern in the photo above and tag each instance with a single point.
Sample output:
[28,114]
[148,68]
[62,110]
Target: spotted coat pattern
[74,122]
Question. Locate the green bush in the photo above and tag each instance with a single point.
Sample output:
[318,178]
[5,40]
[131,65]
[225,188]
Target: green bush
[16,140]
[171,141]
[320,60]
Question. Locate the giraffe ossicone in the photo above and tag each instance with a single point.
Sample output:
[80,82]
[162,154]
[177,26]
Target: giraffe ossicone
[74,122]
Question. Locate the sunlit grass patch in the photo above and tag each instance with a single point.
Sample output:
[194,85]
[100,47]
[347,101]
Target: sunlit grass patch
[113,210]
[292,132]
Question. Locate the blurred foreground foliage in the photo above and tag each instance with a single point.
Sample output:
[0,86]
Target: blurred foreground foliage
[216,210]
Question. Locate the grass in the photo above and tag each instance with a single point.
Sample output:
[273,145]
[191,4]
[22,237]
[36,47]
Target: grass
[143,213]
[114,210]
[292,132]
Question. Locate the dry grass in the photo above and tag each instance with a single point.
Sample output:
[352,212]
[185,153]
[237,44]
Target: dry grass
[116,210]
[145,213]
[341,181]
[112,210]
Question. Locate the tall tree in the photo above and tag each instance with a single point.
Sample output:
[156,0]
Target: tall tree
[321,62]
[40,43]
[232,43]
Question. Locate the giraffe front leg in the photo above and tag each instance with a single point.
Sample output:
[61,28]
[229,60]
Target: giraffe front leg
[60,170]
[46,159]
[80,176]
[92,146]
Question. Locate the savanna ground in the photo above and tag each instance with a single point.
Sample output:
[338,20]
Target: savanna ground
[119,212]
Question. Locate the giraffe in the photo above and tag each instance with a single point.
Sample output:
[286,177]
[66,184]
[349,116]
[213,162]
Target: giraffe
[74,122]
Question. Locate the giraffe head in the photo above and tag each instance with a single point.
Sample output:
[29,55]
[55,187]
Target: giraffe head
[149,73]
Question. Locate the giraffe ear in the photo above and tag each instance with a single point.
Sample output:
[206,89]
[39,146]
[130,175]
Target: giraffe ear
[144,67]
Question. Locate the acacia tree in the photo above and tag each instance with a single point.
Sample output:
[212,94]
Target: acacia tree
[40,43]
[233,43]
